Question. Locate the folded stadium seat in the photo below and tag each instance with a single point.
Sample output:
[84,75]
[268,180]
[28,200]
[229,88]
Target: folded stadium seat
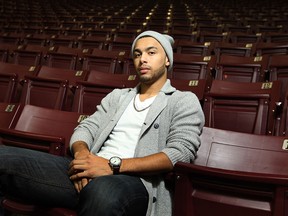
[282,119]
[195,48]
[212,37]
[128,66]
[38,39]
[198,87]
[241,68]
[272,37]
[245,38]
[104,60]
[74,31]
[52,30]
[32,29]
[27,57]
[265,48]
[44,92]
[184,35]
[60,73]
[61,59]
[235,49]
[62,40]
[92,42]
[127,33]
[100,32]
[89,94]
[10,38]
[233,174]
[4,53]
[213,28]
[268,29]
[191,67]
[120,44]
[278,70]
[42,129]
[126,80]
[9,114]
[21,71]
[8,87]
[242,106]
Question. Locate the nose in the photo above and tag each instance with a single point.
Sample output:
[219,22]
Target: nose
[143,58]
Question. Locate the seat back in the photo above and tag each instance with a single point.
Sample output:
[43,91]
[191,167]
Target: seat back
[61,60]
[9,114]
[241,68]
[126,80]
[242,107]
[8,86]
[198,87]
[278,70]
[27,57]
[190,67]
[234,174]
[101,60]
[44,92]
[61,73]
[195,48]
[88,95]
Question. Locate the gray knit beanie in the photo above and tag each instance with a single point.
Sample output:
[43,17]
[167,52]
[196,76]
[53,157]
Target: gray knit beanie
[165,40]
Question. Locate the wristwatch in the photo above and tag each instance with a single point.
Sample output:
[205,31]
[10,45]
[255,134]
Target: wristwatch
[115,163]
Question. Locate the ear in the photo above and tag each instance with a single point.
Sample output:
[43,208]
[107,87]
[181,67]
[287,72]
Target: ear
[167,63]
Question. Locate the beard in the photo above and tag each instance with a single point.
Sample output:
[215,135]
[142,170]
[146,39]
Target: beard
[154,76]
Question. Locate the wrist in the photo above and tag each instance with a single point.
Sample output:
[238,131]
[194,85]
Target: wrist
[115,164]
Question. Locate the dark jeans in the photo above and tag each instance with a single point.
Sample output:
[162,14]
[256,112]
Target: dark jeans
[42,179]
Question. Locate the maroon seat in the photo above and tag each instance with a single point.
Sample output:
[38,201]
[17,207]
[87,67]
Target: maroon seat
[187,66]
[8,86]
[42,129]
[233,174]
[44,92]
[278,70]
[198,87]
[241,106]
[195,48]
[241,68]
[45,130]
[89,94]
[29,209]
[9,114]
[126,80]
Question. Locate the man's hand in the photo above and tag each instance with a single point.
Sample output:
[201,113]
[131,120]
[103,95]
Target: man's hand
[86,166]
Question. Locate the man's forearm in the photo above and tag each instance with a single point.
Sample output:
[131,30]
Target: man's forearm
[79,146]
[152,164]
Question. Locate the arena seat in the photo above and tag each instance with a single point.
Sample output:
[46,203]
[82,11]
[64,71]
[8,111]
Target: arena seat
[233,174]
[242,106]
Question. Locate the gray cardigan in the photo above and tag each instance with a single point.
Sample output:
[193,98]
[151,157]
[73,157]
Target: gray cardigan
[173,126]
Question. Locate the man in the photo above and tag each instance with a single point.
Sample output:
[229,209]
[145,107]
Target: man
[121,152]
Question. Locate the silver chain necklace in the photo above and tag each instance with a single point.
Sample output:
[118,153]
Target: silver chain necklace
[134,105]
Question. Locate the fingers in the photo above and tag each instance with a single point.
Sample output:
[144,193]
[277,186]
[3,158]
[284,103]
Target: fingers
[80,184]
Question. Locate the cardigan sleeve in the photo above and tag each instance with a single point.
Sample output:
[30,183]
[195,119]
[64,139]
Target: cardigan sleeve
[186,125]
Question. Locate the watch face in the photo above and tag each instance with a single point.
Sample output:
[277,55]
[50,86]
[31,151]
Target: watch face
[115,161]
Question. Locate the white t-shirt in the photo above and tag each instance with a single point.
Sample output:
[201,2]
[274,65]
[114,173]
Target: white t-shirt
[124,137]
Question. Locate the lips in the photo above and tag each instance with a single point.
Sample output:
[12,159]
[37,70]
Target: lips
[144,69]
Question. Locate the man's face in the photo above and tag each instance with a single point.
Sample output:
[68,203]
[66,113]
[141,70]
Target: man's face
[150,60]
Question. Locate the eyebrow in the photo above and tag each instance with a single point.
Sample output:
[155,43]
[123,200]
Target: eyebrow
[146,49]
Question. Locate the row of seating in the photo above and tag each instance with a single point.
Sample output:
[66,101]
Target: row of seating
[191,13]
[233,171]
[251,107]
[119,61]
